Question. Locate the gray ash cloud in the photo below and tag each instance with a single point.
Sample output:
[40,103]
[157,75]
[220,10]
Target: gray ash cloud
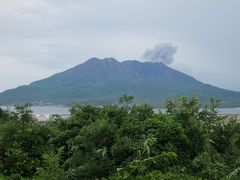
[163,53]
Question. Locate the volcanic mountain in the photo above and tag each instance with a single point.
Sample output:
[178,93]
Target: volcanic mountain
[103,81]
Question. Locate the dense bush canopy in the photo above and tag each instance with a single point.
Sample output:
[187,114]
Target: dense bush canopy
[124,141]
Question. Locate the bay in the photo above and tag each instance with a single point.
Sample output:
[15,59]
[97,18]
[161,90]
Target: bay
[52,109]
[44,112]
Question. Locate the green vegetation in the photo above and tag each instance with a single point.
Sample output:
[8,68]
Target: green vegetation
[122,141]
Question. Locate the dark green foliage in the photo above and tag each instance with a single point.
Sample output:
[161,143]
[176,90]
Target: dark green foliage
[122,141]
[51,168]
[22,143]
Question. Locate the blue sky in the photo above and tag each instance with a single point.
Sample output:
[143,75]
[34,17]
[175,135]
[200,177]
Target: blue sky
[41,37]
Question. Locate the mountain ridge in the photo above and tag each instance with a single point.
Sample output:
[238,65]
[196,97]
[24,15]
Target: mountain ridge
[100,81]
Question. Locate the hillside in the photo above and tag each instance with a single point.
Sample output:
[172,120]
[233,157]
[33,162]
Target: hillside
[102,81]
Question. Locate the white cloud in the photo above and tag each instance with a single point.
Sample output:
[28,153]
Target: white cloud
[14,73]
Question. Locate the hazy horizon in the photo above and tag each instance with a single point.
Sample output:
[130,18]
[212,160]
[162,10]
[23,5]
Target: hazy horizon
[42,37]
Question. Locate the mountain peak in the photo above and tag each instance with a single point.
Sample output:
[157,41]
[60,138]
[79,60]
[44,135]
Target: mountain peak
[110,59]
[101,81]
[95,60]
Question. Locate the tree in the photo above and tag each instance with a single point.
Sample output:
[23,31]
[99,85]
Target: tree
[126,100]
[122,142]
[24,113]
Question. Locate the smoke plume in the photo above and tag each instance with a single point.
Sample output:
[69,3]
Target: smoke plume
[161,53]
